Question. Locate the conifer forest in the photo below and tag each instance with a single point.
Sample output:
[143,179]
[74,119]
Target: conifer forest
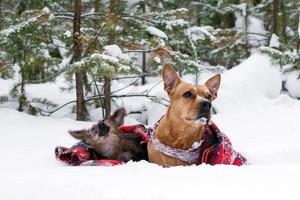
[93,43]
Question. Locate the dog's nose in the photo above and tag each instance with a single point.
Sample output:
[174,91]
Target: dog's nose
[206,105]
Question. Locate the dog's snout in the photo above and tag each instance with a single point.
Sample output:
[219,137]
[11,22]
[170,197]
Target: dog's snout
[103,129]
[206,105]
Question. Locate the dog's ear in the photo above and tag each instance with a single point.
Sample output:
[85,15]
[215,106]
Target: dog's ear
[118,116]
[78,134]
[213,85]
[170,77]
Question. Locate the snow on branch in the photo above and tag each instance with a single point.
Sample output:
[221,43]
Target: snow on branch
[42,17]
[156,32]
[115,51]
[111,61]
[284,58]
[200,33]
[242,7]
[175,23]
[191,66]
[221,9]
[169,19]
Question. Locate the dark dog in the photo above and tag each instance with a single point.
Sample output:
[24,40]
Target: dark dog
[110,142]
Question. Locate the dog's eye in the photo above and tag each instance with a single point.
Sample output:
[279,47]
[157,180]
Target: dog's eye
[209,97]
[188,94]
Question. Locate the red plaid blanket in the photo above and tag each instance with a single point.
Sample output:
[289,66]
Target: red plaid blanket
[216,148]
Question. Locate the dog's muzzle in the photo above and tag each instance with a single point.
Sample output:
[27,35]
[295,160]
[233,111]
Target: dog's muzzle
[204,110]
[103,129]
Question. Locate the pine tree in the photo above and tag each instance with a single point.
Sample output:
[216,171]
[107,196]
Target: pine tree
[80,109]
[193,35]
[27,46]
[285,31]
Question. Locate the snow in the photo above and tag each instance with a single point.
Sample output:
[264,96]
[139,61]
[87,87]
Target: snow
[50,91]
[299,28]
[274,42]
[175,23]
[104,57]
[293,83]
[200,33]
[156,32]
[257,34]
[242,7]
[115,51]
[262,123]
[289,31]
[46,11]
[63,50]
[68,33]
[251,82]
[157,60]
[19,27]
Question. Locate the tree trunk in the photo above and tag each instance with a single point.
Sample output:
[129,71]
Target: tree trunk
[97,9]
[107,80]
[144,69]
[107,97]
[279,19]
[22,98]
[283,22]
[144,57]
[275,16]
[246,31]
[21,7]
[80,110]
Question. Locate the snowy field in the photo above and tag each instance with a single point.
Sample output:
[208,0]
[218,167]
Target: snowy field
[263,124]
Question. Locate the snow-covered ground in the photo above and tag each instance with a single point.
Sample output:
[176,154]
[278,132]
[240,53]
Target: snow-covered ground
[263,124]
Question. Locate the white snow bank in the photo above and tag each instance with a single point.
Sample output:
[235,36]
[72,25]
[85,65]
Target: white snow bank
[261,123]
[249,84]
[6,86]
[29,170]
[293,84]
[137,181]
[266,133]
[50,91]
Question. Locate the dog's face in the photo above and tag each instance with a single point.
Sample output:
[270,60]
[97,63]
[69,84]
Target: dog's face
[104,132]
[189,103]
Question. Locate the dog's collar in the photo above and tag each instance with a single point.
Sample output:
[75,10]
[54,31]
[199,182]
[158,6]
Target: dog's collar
[190,155]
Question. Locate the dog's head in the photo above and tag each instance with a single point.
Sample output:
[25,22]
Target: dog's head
[104,129]
[188,102]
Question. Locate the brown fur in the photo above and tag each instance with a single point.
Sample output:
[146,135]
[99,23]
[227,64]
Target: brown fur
[179,127]
[109,142]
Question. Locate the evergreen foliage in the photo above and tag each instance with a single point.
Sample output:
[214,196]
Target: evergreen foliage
[37,41]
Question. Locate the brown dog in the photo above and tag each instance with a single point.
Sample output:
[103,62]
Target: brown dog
[181,126]
[109,142]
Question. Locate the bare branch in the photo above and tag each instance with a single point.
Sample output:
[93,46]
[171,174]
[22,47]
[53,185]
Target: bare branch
[151,97]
